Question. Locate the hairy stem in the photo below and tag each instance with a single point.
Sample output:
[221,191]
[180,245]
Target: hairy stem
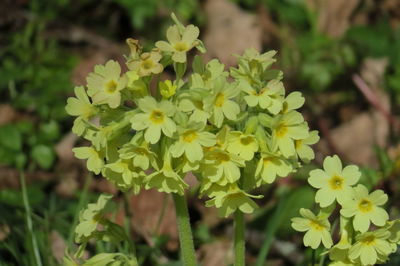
[185,231]
[239,244]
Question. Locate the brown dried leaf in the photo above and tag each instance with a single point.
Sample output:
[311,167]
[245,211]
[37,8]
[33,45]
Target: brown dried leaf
[58,245]
[147,208]
[67,186]
[229,31]
[356,139]
[216,253]
[8,114]
[64,147]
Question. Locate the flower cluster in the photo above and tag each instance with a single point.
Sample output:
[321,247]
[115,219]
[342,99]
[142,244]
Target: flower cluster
[360,243]
[94,224]
[234,130]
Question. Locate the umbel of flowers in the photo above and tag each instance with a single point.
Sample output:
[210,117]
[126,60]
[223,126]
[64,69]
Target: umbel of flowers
[367,236]
[234,130]
[214,123]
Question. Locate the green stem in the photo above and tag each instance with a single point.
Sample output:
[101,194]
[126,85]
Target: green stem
[81,204]
[239,244]
[29,223]
[313,258]
[127,225]
[185,231]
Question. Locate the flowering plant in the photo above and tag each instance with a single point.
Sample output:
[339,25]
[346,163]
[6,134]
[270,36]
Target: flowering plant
[235,130]
[359,209]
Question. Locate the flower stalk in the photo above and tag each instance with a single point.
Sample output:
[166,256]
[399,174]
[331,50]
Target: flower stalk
[239,244]
[185,231]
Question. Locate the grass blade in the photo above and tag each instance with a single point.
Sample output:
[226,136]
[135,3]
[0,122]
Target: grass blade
[29,223]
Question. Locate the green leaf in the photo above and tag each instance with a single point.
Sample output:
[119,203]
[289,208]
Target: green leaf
[50,131]
[302,197]
[20,160]
[25,127]
[10,137]
[43,155]
[198,65]
[180,69]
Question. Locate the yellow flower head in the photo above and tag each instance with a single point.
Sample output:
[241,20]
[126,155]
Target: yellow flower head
[179,43]
[222,167]
[244,145]
[371,248]
[166,179]
[80,106]
[155,117]
[105,84]
[146,64]
[270,166]
[221,102]
[229,199]
[167,88]
[191,142]
[334,182]
[365,208]
[317,229]
[290,127]
[269,97]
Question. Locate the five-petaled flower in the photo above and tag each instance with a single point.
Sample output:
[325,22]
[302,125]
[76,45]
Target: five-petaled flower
[317,229]
[105,84]
[371,247]
[334,182]
[155,118]
[179,43]
[365,208]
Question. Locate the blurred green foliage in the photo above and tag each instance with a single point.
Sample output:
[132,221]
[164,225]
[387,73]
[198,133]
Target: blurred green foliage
[35,79]
[51,214]
[141,11]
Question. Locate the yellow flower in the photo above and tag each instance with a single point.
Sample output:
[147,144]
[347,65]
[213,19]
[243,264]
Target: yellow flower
[222,167]
[302,146]
[270,166]
[371,247]
[365,208]
[166,179]
[191,142]
[167,88]
[269,97]
[230,199]
[221,103]
[155,118]
[147,64]
[80,106]
[105,84]
[317,229]
[290,127]
[179,43]
[244,145]
[334,182]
